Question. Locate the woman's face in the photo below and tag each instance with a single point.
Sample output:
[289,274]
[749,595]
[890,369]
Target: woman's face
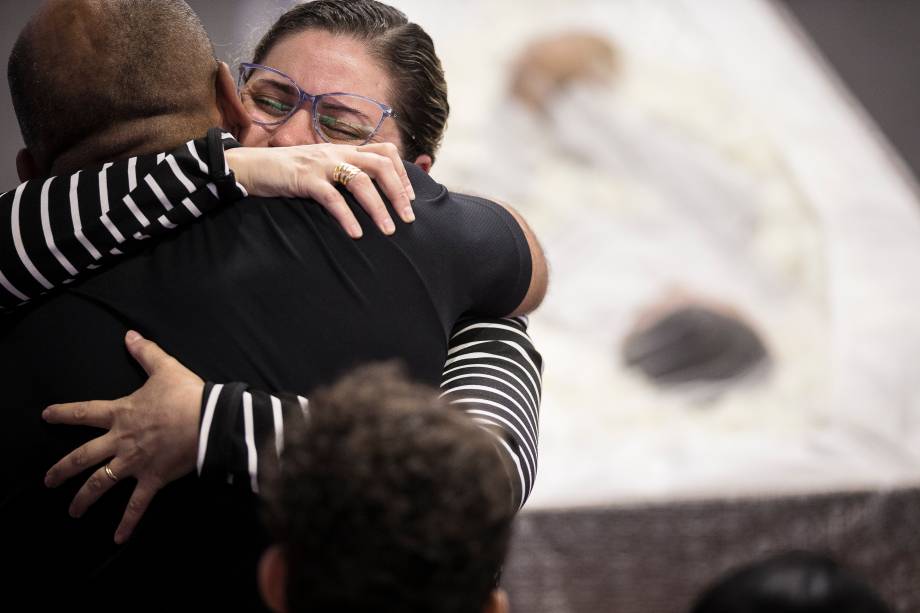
[320,62]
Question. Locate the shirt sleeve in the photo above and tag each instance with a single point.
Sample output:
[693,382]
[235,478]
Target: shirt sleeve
[491,258]
[241,434]
[53,230]
[493,373]
[471,251]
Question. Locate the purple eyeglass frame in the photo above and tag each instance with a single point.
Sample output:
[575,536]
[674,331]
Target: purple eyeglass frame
[313,98]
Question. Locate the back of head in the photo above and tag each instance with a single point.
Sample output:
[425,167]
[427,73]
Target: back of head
[794,582]
[404,50]
[390,501]
[87,78]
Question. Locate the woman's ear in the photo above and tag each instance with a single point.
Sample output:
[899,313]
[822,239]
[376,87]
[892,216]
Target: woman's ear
[233,116]
[424,162]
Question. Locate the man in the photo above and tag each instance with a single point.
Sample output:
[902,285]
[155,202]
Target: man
[387,501]
[289,302]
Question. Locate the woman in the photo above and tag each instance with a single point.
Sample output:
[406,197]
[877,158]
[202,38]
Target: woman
[370,51]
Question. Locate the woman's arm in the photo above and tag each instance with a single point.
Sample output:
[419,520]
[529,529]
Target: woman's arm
[176,422]
[55,229]
[493,373]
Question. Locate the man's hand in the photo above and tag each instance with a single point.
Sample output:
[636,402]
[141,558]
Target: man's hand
[305,171]
[152,435]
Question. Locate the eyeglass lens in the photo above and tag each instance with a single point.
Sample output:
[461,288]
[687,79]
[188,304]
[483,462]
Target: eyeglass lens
[270,98]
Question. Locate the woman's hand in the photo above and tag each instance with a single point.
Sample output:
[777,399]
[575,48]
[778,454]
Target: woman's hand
[306,171]
[152,435]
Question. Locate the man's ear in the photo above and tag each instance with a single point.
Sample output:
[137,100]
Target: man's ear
[424,162]
[233,116]
[27,167]
[498,602]
[273,579]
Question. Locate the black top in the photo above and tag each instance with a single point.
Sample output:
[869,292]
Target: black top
[288,302]
[492,372]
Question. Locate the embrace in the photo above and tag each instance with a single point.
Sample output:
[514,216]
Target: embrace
[259,273]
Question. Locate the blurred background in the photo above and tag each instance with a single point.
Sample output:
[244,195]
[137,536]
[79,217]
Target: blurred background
[727,193]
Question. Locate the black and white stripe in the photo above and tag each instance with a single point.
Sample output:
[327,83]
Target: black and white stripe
[53,230]
[242,431]
[493,374]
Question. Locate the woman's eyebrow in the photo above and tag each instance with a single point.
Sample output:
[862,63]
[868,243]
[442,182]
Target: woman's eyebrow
[285,88]
[338,106]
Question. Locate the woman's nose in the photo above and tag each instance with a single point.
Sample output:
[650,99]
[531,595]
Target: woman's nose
[298,130]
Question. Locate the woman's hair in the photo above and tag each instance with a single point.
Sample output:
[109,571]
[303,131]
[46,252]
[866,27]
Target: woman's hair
[418,89]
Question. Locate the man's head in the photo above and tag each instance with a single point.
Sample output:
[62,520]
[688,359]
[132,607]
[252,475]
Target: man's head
[387,501]
[93,80]
[363,47]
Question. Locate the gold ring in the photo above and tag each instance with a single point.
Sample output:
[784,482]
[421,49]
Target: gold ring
[110,473]
[345,172]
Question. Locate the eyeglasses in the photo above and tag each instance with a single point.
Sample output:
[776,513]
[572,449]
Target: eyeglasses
[271,98]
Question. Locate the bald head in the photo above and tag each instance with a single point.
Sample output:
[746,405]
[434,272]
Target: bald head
[93,79]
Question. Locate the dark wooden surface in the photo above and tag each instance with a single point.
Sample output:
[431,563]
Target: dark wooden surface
[874,46]
[656,559]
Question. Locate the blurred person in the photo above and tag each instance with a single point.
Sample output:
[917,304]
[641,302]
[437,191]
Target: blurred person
[94,312]
[793,582]
[386,501]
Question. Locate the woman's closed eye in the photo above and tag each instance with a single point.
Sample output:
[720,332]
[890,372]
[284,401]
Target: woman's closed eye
[339,128]
[272,105]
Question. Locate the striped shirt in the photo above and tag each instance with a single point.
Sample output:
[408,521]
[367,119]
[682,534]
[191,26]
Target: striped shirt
[493,374]
[57,228]
[54,230]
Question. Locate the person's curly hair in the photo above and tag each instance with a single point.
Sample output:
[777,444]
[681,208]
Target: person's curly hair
[388,500]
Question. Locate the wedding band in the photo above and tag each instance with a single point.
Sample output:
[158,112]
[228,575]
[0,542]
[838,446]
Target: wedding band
[110,473]
[345,172]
